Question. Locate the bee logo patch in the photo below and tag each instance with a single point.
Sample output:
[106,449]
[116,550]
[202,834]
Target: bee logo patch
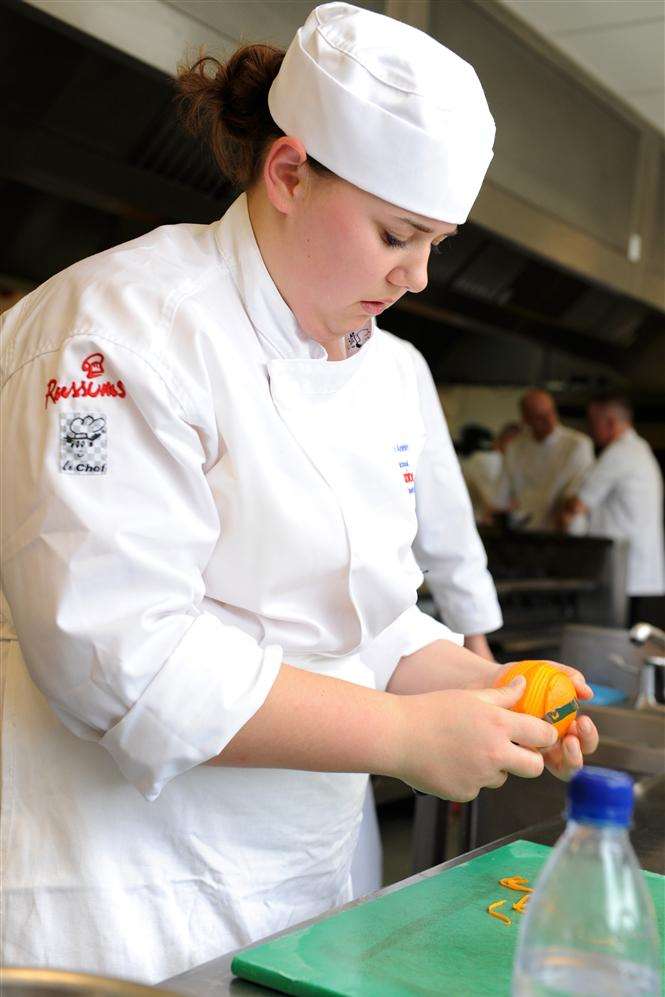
[83,444]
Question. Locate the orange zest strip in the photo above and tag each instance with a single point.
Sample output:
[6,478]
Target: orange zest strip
[493,912]
[521,903]
[517,883]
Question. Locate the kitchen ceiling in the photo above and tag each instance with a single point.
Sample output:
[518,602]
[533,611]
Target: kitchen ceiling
[621,43]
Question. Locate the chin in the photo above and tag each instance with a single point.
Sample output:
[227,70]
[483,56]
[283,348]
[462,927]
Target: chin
[330,332]
[327,329]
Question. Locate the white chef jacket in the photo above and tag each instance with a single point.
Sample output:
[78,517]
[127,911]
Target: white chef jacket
[482,472]
[624,494]
[447,545]
[539,474]
[194,494]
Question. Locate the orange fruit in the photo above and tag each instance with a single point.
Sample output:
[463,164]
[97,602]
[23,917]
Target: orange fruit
[549,693]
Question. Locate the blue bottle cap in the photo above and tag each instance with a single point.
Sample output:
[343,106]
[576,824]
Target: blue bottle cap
[600,796]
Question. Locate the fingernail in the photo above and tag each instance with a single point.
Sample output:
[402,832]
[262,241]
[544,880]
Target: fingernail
[518,680]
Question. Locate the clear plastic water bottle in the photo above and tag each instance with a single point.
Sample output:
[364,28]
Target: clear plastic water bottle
[590,926]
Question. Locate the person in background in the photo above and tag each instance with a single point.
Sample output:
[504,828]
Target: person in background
[451,555]
[482,472]
[473,438]
[622,496]
[543,465]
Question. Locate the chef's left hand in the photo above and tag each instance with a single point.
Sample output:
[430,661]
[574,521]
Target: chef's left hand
[566,757]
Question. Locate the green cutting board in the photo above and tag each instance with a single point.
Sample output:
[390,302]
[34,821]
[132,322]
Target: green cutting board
[434,937]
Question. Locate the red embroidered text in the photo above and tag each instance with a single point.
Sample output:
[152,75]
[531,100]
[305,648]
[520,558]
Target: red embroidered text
[92,366]
[82,389]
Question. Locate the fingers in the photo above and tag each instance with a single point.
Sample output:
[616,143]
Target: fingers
[566,758]
[584,729]
[523,762]
[506,696]
[587,733]
[583,690]
[498,782]
[553,760]
[572,753]
[531,732]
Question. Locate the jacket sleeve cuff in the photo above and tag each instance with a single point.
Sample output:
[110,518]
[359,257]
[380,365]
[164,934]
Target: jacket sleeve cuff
[462,615]
[485,623]
[407,634]
[213,683]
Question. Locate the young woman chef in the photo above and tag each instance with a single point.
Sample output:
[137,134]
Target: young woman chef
[209,517]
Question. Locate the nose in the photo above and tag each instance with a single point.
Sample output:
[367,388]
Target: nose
[412,275]
[418,278]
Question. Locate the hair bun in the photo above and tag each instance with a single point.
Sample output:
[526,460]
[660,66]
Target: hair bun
[229,106]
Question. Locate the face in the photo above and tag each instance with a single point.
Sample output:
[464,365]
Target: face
[539,413]
[352,255]
[601,425]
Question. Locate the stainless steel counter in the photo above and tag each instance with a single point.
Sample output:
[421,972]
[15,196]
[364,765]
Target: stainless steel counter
[214,979]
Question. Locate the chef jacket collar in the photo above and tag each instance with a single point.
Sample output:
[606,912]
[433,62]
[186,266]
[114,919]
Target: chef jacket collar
[629,434]
[275,323]
[549,440]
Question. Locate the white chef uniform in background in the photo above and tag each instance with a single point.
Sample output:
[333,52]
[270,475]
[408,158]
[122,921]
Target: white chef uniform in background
[482,472]
[184,512]
[539,474]
[623,491]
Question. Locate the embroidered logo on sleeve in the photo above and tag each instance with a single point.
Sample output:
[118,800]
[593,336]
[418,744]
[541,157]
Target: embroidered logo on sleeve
[402,449]
[83,444]
[92,366]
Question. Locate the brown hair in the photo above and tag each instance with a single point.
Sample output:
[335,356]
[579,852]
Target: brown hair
[616,400]
[230,109]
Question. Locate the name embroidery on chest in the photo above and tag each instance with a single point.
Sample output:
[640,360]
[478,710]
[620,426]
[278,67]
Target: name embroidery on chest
[402,449]
[93,367]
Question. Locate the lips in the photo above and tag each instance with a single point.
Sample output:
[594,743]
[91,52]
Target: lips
[372,307]
[375,307]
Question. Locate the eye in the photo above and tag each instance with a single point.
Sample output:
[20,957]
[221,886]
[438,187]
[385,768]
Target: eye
[393,241]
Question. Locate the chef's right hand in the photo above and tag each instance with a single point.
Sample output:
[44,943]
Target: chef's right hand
[456,742]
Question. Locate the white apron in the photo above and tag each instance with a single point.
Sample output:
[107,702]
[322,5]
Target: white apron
[95,878]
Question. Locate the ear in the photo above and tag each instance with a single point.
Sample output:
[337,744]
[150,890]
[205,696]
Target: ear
[284,172]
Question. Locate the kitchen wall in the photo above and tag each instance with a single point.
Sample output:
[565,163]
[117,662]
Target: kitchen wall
[485,406]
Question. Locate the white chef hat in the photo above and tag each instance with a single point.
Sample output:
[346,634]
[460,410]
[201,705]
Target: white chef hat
[387,108]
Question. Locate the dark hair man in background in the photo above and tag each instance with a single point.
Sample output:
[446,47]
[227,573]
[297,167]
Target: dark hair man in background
[622,496]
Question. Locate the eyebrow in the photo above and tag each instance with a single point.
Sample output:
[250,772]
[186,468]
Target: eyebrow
[423,228]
